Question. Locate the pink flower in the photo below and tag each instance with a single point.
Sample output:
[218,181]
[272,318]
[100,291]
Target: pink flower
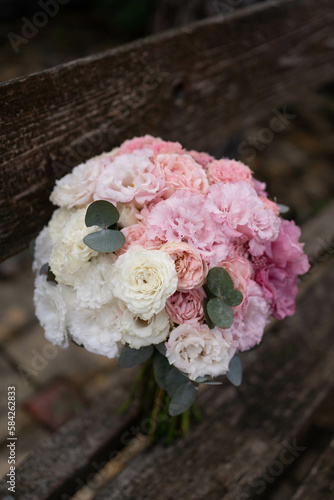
[204,159]
[184,217]
[270,204]
[250,321]
[186,307]
[136,235]
[130,177]
[155,144]
[191,269]
[260,187]
[226,170]
[239,269]
[182,172]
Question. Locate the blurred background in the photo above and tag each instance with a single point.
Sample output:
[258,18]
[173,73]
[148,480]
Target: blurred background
[297,164]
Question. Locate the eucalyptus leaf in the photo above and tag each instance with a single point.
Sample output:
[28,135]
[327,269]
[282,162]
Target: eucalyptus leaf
[212,382]
[132,357]
[201,380]
[219,281]
[101,213]
[105,241]
[174,379]
[233,298]
[161,348]
[234,373]
[184,396]
[32,246]
[220,313]
[283,209]
[161,369]
[210,324]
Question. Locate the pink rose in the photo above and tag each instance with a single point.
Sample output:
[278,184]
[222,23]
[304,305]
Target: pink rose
[186,307]
[226,170]
[155,144]
[191,269]
[130,177]
[182,172]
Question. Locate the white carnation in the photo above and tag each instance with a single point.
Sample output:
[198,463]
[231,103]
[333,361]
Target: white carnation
[144,279]
[199,351]
[127,214]
[42,250]
[57,224]
[52,304]
[98,330]
[93,283]
[77,188]
[70,253]
[138,332]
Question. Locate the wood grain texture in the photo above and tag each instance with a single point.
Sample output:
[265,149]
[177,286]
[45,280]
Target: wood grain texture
[194,84]
[79,449]
[230,454]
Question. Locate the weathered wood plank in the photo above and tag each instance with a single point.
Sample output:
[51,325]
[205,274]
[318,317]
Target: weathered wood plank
[319,485]
[81,447]
[194,84]
[231,453]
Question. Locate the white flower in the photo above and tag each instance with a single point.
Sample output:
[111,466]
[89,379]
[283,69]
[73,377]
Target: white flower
[138,333]
[57,224]
[52,304]
[127,214]
[98,330]
[144,279]
[42,250]
[93,283]
[77,188]
[198,351]
[70,253]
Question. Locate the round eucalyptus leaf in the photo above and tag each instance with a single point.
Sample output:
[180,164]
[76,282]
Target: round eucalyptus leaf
[105,241]
[220,313]
[283,209]
[131,357]
[219,281]
[161,369]
[161,348]
[206,314]
[184,396]
[233,297]
[101,213]
[174,379]
[234,373]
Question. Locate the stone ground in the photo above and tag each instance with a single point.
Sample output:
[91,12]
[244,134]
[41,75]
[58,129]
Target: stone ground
[53,384]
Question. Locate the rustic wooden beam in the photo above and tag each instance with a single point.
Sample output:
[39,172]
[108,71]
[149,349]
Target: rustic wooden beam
[194,84]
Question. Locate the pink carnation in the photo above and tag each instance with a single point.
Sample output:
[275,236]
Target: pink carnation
[250,321]
[270,204]
[182,172]
[204,159]
[191,269]
[136,235]
[260,187]
[226,170]
[186,307]
[155,144]
[130,177]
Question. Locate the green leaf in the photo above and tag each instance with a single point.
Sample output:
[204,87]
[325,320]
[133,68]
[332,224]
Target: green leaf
[234,373]
[132,357]
[219,281]
[161,348]
[212,382]
[283,209]
[201,380]
[161,369]
[220,313]
[174,379]
[233,298]
[32,245]
[206,315]
[101,213]
[184,396]
[105,241]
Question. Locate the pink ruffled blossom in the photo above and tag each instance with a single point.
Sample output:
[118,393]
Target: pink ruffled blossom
[186,307]
[204,159]
[130,177]
[182,172]
[136,235]
[155,144]
[226,170]
[270,204]
[191,269]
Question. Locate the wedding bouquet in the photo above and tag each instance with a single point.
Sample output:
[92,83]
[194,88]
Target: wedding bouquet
[166,257]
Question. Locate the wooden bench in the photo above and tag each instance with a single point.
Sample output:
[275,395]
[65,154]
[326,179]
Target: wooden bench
[195,84]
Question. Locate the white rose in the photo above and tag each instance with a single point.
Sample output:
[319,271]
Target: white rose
[52,303]
[198,351]
[127,214]
[138,333]
[98,330]
[93,283]
[70,253]
[77,188]
[144,279]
